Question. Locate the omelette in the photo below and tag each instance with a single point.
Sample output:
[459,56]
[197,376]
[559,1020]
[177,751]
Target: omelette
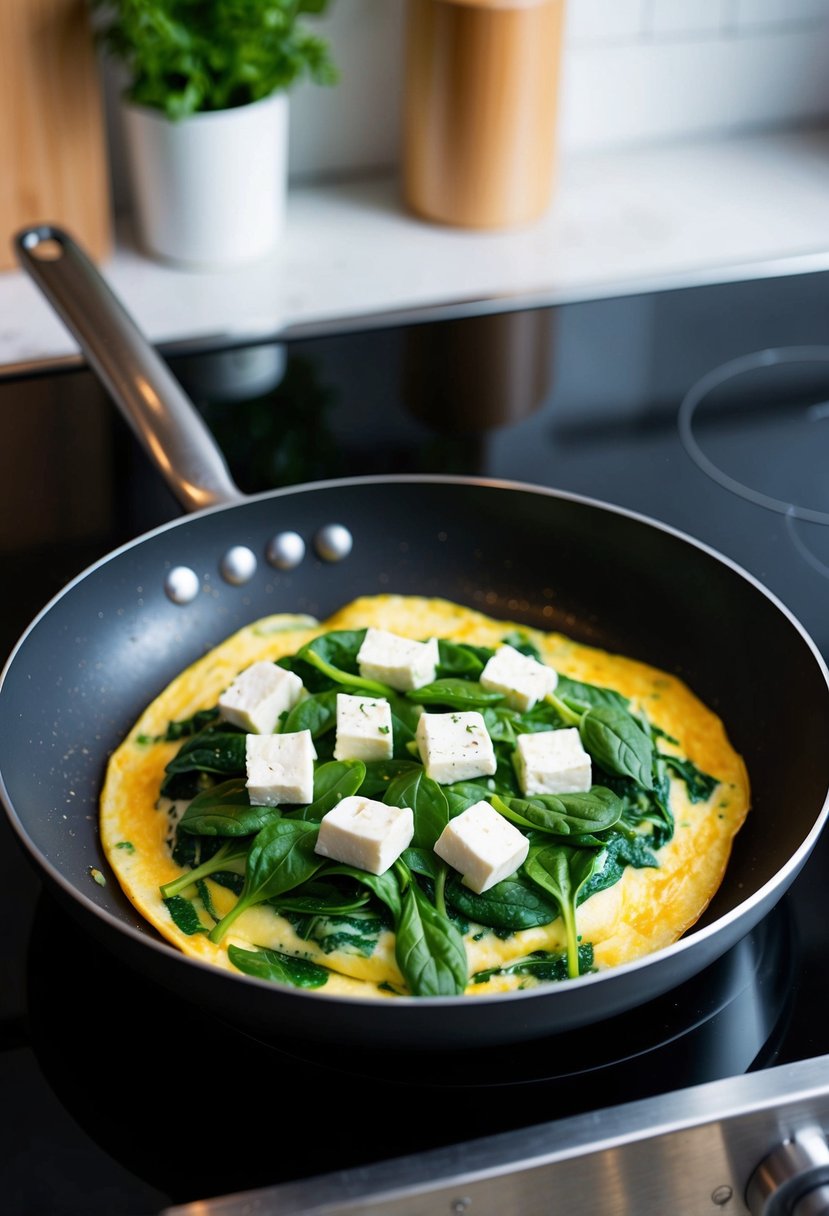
[612,857]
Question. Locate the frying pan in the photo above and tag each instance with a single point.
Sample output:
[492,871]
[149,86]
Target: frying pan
[102,649]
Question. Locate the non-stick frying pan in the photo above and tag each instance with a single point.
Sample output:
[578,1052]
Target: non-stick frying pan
[107,644]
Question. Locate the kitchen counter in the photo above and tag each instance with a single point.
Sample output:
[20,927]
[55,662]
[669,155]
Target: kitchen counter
[620,222]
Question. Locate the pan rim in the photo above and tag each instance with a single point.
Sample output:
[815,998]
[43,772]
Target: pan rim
[779,882]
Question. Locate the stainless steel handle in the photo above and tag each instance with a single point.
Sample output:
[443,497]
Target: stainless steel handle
[143,388]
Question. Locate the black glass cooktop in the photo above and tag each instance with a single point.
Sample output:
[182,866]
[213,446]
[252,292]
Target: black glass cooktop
[705,408]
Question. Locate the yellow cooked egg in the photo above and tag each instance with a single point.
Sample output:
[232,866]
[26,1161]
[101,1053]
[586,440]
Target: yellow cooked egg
[677,788]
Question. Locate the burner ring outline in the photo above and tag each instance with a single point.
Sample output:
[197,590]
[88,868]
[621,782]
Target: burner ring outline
[769,357]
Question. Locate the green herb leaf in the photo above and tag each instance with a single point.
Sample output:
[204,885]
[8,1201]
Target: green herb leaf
[184,58]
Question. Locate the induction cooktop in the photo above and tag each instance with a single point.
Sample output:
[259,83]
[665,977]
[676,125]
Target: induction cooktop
[705,408]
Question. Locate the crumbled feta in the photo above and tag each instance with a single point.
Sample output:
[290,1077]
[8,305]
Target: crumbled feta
[553,762]
[522,679]
[364,730]
[398,662]
[455,746]
[482,846]
[258,696]
[367,834]
[280,768]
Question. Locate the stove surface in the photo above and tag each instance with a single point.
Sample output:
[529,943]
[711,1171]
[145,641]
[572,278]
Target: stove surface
[704,408]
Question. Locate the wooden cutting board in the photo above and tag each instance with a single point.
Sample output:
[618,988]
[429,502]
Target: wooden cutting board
[53,158]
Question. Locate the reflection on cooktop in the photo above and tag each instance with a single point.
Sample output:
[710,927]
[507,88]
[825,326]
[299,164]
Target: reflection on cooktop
[196,1108]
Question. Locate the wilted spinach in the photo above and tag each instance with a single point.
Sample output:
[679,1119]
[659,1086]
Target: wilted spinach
[278,968]
[281,857]
[225,810]
[429,949]
[563,872]
[595,810]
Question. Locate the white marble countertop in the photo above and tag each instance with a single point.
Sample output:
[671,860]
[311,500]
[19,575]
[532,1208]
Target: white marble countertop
[620,222]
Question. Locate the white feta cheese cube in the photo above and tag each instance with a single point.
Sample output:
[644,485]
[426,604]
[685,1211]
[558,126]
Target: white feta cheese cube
[258,696]
[522,679]
[364,730]
[398,662]
[553,762]
[482,846]
[366,834]
[280,768]
[455,746]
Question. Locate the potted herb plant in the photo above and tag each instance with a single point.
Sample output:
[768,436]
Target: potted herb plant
[205,118]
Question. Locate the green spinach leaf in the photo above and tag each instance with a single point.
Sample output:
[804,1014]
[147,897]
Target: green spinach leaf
[589,696]
[278,968]
[457,659]
[333,781]
[429,949]
[455,694]
[230,855]
[542,966]
[700,785]
[591,811]
[617,743]
[427,801]
[281,858]
[225,810]
[210,751]
[184,915]
[513,904]
[563,871]
[317,713]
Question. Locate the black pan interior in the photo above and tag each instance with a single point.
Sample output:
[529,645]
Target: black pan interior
[106,647]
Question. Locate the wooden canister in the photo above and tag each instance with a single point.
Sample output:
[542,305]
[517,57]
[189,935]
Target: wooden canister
[52,129]
[480,109]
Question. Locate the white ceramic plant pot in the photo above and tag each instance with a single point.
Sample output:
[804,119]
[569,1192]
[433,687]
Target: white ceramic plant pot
[209,190]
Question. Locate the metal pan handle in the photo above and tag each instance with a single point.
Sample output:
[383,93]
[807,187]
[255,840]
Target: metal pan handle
[152,401]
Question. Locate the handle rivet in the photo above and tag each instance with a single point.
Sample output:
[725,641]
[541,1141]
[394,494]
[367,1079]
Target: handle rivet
[181,585]
[285,550]
[721,1195]
[238,565]
[333,542]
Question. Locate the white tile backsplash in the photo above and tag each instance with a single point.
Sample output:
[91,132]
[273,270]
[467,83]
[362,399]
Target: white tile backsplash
[689,87]
[592,21]
[675,18]
[754,14]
